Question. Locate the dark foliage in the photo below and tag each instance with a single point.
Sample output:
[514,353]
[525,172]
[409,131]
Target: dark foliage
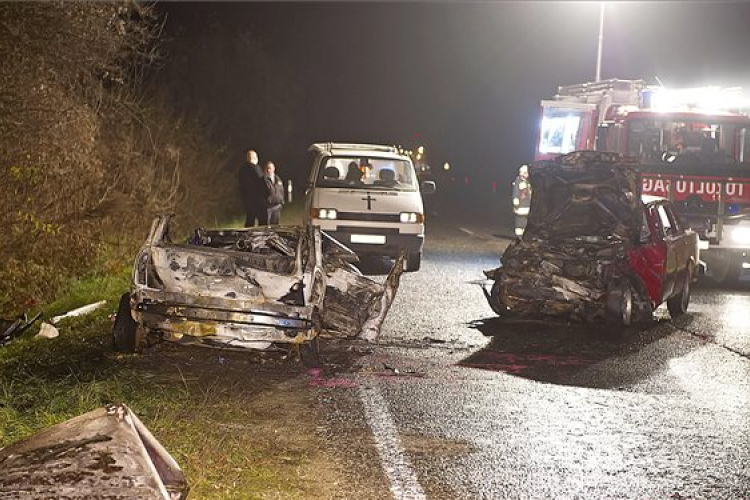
[86,158]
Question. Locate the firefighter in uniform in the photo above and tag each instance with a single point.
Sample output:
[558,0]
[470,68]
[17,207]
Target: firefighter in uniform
[521,199]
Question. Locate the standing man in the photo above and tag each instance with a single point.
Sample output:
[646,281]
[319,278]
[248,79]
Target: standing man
[252,190]
[274,193]
[521,199]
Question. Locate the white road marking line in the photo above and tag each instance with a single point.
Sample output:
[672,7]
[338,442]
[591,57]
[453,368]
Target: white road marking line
[467,231]
[404,483]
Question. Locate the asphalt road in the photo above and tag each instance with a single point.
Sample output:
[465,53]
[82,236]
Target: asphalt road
[454,403]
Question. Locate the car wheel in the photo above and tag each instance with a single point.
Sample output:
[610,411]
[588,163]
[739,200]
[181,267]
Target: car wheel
[310,353]
[620,304]
[124,331]
[678,304]
[494,299]
[414,261]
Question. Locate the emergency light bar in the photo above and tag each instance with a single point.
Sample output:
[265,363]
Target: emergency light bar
[700,98]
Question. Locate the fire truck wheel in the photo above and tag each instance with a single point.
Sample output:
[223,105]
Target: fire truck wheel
[725,270]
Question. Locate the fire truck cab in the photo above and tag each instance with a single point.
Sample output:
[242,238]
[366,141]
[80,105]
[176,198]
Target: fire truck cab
[692,146]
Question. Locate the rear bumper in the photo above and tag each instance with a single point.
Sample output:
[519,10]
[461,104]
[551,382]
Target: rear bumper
[179,318]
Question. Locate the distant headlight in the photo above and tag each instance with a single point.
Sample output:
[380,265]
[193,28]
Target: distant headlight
[411,217]
[740,235]
[324,213]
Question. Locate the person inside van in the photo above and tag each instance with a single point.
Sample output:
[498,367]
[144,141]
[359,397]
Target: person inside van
[386,177]
[353,174]
[331,173]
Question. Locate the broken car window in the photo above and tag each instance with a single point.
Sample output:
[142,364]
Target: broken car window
[666,223]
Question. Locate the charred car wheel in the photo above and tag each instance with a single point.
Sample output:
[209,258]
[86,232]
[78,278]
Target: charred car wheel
[310,353]
[678,304]
[494,298]
[620,304]
[124,331]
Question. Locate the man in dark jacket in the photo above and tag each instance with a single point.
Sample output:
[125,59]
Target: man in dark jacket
[252,190]
[274,193]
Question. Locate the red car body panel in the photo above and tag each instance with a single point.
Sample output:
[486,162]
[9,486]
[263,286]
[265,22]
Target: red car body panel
[648,262]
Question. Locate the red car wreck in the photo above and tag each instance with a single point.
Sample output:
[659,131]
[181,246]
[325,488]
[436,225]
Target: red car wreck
[593,248]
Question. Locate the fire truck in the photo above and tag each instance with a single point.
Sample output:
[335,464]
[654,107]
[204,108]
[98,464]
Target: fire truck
[692,146]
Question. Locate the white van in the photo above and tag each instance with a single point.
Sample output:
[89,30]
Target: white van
[368,198]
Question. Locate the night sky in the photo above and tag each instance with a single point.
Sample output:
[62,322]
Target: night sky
[468,78]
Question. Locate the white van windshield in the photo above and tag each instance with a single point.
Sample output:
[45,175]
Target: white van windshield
[367,173]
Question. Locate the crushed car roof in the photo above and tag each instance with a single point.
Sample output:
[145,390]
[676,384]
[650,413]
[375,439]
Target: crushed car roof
[585,193]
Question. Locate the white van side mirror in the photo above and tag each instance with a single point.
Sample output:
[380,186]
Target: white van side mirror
[428,187]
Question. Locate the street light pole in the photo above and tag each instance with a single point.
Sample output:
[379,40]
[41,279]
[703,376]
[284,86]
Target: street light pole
[601,40]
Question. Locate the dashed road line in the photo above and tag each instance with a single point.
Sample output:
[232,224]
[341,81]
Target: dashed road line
[396,465]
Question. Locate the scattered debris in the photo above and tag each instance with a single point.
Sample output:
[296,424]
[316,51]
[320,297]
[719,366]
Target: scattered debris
[392,371]
[47,331]
[80,311]
[9,329]
[104,454]
[250,288]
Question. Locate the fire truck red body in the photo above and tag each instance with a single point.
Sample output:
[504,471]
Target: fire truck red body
[693,147]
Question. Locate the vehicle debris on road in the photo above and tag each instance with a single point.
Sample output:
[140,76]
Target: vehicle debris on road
[104,454]
[593,249]
[250,288]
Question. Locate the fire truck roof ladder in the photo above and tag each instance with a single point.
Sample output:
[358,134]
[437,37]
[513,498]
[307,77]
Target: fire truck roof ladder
[613,85]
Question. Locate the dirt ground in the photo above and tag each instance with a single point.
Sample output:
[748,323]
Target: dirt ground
[269,406]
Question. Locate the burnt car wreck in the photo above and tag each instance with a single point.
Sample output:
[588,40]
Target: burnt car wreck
[104,454]
[249,288]
[593,249]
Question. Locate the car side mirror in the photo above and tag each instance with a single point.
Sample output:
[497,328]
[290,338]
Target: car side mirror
[428,187]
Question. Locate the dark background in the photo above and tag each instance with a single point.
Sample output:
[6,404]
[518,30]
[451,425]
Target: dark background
[464,80]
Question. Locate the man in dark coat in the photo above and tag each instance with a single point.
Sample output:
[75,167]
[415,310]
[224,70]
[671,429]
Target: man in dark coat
[274,193]
[252,190]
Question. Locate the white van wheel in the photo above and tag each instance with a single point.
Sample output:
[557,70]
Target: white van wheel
[414,261]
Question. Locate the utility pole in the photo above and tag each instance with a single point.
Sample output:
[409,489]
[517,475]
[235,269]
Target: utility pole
[601,41]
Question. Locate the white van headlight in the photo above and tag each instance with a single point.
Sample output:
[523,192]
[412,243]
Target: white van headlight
[324,213]
[411,217]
